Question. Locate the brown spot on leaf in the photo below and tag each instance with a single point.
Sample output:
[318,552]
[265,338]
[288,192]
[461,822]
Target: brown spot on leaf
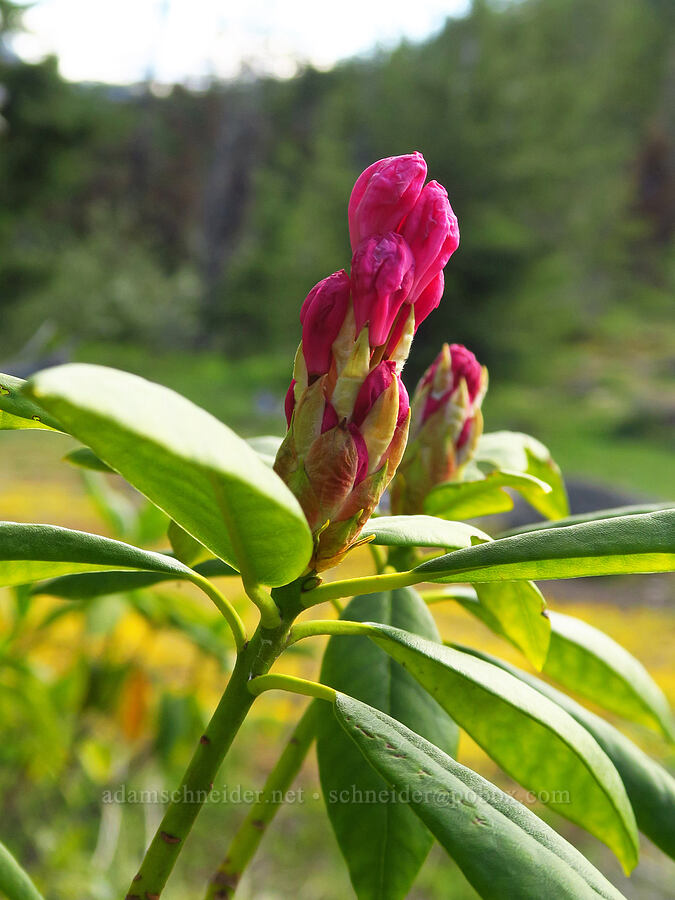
[204,739]
[169,838]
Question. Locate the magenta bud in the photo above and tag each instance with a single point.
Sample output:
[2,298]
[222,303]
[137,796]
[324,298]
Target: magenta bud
[465,365]
[289,402]
[322,315]
[375,384]
[362,451]
[432,234]
[403,402]
[429,299]
[384,195]
[330,418]
[382,275]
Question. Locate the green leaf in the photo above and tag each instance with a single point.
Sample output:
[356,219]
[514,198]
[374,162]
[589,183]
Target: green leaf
[650,788]
[98,584]
[84,458]
[532,739]
[184,546]
[17,411]
[502,848]
[383,843]
[644,543]
[422,531]
[591,517]
[587,661]
[14,881]
[518,452]
[485,496]
[34,552]
[188,463]
[266,446]
[519,607]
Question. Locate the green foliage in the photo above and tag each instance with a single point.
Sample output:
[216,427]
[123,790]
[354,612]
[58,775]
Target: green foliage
[14,882]
[385,656]
[199,474]
[542,748]
[502,848]
[383,843]
[641,543]
[650,788]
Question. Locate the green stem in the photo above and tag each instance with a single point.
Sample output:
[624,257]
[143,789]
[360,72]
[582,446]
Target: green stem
[326,626]
[253,660]
[293,684]
[243,846]
[350,587]
[224,606]
[269,611]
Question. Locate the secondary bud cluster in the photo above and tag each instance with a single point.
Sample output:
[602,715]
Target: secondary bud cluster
[346,407]
[445,426]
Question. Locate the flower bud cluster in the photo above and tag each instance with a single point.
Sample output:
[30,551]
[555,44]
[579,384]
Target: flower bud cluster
[446,422]
[346,407]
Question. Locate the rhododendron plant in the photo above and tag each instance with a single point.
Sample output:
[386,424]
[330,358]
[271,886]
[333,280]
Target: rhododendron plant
[346,407]
[445,428]
[274,514]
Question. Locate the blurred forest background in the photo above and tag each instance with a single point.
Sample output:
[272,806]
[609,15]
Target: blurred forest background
[193,223]
[175,233]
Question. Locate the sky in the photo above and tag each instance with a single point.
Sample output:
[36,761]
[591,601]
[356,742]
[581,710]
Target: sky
[124,41]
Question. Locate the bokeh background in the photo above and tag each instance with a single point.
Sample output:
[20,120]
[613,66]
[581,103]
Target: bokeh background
[173,181]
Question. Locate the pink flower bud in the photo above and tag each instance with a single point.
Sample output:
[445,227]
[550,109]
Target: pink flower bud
[445,427]
[289,402]
[362,450]
[330,418]
[322,315]
[376,383]
[382,274]
[432,234]
[466,366]
[403,403]
[384,195]
[429,299]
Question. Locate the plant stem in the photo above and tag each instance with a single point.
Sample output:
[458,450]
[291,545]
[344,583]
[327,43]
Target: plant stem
[293,684]
[254,659]
[350,587]
[246,840]
[327,626]
[224,606]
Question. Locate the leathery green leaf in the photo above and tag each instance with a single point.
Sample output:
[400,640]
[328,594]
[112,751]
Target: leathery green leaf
[84,458]
[185,461]
[422,531]
[644,543]
[18,412]
[613,513]
[519,607]
[587,661]
[502,848]
[532,739]
[14,881]
[33,552]
[484,496]
[650,788]
[383,842]
[518,452]
[97,584]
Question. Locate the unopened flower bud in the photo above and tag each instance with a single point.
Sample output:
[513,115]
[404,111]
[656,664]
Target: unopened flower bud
[322,315]
[348,412]
[432,234]
[384,195]
[445,426]
[382,275]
